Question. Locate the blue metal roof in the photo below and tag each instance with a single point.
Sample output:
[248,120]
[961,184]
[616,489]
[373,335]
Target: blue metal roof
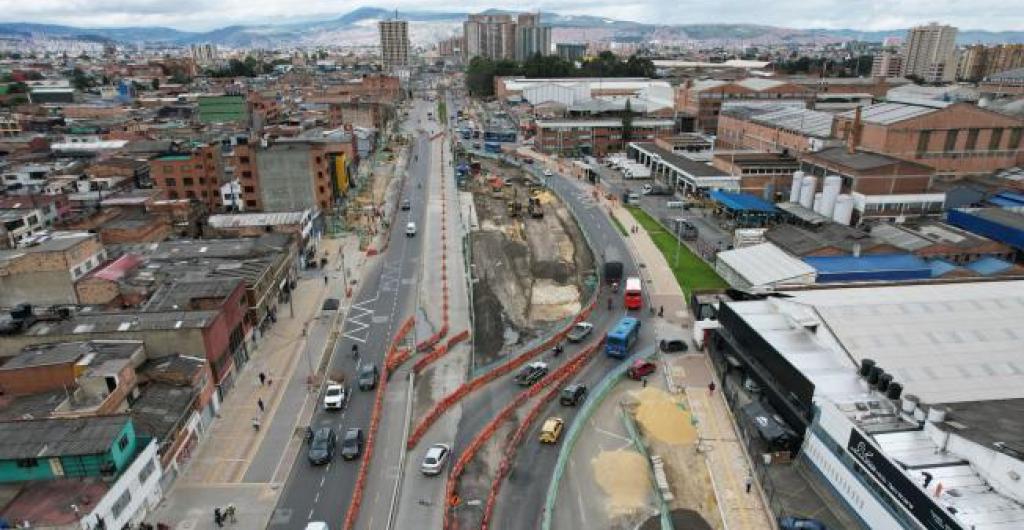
[989,266]
[742,202]
[941,267]
[1003,202]
[867,268]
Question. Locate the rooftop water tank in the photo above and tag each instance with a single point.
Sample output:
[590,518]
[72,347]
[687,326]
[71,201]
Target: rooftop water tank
[883,382]
[874,374]
[865,367]
[895,389]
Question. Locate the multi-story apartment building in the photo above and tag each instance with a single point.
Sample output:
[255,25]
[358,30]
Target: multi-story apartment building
[394,43]
[958,140]
[196,174]
[46,273]
[531,37]
[979,61]
[887,64]
[309,172]
[490,36]
[570,51]
[930,53]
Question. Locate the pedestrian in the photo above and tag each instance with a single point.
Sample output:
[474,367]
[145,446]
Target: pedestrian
[711,388]
[263,378]
[749,483]
[643,382]
[217,517]
[325,279]
[230,514]
[259,402]
[256,423]
[661,311]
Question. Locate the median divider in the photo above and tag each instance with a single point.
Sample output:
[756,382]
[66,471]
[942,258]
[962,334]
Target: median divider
[555,378]
[439,351]
[505,368]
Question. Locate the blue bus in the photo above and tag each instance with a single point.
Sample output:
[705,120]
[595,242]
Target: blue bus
[499,136]
[492,147]
[622,338]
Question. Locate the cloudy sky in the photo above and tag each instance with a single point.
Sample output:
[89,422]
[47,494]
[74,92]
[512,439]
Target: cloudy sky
[207,14]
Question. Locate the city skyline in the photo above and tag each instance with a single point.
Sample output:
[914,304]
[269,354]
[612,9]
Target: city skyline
[193,15]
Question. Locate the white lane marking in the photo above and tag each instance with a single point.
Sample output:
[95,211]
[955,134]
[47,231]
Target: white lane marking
[317,498]
[310,516]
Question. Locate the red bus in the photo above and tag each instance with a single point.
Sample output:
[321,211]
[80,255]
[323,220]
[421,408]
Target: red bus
[634,298]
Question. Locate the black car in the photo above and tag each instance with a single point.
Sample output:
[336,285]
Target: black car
[531,373]
[673,345]
[331,304]
[573,395]
[321,448]
[352,444]
[368,376]
[406,205]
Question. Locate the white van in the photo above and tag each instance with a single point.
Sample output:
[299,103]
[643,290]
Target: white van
[410,229]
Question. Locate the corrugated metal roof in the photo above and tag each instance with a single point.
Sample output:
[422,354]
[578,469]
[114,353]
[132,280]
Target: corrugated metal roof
[887,113]
[989,266]
[766,264]
[758,84]
[59,437]
[805,121]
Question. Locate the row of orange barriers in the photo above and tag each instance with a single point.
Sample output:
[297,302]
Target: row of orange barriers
[554,380]
[396,356]
[505,368]
[440,351]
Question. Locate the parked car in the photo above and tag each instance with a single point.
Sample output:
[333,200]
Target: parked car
[368,376]
[352,444]
[406,205]
[435,459]
[673,345]
[331,304]
[800,523]
[573,395]
[641,368]
[321,449]
[579,331]
[317,525]
[410,229]
[335,396]
[551,431]
[531,373]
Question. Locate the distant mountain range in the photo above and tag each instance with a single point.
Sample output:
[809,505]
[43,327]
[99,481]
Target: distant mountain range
[359,27]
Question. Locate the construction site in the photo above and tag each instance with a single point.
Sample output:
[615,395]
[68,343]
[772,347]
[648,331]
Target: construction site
[530,262]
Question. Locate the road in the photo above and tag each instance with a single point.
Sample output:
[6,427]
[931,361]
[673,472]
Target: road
[534,462]
[386,297]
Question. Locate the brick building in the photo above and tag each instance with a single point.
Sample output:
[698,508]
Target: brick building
[306,172]
[773,128]
[766,175]
[597,137]
[46,273]
[960,139]
[197,174]
[700,102]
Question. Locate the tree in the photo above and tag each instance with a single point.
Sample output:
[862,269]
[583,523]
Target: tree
[80,80]
[627,123]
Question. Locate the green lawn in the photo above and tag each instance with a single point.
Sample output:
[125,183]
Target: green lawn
[442,112]
[691,272]
[622,229]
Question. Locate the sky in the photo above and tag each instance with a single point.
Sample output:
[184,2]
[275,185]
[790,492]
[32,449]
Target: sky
[202,15]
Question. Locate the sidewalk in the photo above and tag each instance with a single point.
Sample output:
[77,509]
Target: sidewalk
[232,450]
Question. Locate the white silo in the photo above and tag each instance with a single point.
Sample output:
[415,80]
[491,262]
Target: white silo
[817,202]
[794,189]
[807,186]
[843,213]
[829,191]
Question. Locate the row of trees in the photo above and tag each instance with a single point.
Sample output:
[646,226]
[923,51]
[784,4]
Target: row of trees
[248,67]
[481,71]
[849,67]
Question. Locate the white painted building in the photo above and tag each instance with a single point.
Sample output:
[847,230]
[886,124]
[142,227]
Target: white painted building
[135,493]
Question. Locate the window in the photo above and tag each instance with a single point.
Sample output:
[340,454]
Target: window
[121,503]
[146,471]
[187,181]
[249,189]
[1015,134]
[202,180]
[247,174]
[250,203]
[190,194]
[922,141]
[243,160]
[26,463]
[168,169]
[123,442]
[972,140]
[171,183]
[951,140]
[995,139]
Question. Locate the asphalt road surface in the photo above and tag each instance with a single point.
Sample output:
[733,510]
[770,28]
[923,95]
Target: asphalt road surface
[385,299]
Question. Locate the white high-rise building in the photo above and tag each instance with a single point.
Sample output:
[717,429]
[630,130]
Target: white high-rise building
[394,43]
[930,53]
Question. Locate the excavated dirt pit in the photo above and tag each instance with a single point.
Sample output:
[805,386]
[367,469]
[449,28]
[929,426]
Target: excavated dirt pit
[529,273]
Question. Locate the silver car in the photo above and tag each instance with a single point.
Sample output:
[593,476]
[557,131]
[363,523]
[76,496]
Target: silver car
[435,459]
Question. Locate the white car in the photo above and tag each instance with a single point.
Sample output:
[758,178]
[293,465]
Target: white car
[317,525]
[547,172]
[435,459]
[335,396]
[410,229]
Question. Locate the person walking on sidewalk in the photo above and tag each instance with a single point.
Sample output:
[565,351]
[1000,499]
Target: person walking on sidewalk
[711,388]
[218,518]
[259,403]
[263,378]
[325,279]
[256,423]
[229,514]
[749,483]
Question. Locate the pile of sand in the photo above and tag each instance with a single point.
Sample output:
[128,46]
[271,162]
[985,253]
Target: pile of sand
[550,301]
[625,478]
[661,417]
